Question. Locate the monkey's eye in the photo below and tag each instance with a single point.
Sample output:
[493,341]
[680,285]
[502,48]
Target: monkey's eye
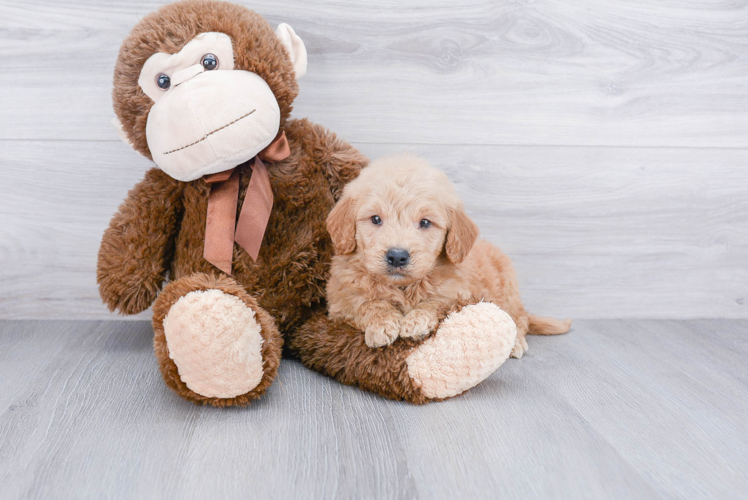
[209,62]
[376,220]
[425,223]
[163,81]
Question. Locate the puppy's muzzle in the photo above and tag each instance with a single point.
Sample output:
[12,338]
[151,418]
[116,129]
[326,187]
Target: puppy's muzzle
[397,257]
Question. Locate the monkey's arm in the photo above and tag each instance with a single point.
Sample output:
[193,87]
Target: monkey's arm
[341,161]
[344,164]
[139,243]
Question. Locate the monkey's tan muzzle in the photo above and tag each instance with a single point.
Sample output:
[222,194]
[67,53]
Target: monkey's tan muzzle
[211,121]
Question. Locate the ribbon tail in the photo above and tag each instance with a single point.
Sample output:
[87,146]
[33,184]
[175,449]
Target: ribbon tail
[255,214]
[219,225]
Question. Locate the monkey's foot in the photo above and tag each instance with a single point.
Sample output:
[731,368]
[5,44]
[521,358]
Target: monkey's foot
[215,341]
[468,347]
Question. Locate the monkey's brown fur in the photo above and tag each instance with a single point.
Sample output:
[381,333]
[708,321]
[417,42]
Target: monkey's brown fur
[158,232]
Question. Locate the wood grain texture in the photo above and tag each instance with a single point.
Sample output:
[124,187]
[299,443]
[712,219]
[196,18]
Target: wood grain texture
[602,146]
[594,232]
[615,409]
[636,73]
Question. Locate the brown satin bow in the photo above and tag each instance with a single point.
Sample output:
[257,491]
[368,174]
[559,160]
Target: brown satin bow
[221,230]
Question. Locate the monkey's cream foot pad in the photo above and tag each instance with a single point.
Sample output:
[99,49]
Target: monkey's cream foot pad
[468,347]
[215,341]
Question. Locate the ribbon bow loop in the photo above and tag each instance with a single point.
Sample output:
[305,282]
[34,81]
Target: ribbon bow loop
[220,228]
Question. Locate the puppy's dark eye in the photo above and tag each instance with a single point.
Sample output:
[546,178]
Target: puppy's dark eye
[209,62]
[425,223]
[163,81]
[376,220]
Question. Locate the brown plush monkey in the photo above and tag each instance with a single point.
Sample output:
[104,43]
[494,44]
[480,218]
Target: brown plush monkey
[234,219]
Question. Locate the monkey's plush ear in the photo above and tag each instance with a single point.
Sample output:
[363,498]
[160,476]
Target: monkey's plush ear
[121,132]
[295,47]
[341,224]
[461,236]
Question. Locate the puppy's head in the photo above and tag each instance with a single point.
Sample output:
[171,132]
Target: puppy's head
[401,216]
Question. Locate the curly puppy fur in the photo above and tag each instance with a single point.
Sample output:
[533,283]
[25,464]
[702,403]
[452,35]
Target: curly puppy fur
[401,204]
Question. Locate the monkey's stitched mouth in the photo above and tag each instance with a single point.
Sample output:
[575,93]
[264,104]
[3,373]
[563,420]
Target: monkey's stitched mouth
[209,133]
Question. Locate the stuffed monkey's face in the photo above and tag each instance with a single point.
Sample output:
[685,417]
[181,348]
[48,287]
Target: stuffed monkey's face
[207,117]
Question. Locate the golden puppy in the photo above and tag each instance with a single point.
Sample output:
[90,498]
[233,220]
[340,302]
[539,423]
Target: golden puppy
[407,254]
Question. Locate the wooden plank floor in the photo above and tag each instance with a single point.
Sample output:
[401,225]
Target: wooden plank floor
[616,409]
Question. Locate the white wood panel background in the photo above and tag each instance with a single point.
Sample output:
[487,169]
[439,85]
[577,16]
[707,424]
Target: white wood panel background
[603,145]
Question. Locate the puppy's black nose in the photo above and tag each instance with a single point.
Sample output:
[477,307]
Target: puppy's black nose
[397,257]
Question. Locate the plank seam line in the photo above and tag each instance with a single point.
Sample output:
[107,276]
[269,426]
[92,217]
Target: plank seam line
[405,144]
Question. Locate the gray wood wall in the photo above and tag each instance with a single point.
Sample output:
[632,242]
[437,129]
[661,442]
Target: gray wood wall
[603,145]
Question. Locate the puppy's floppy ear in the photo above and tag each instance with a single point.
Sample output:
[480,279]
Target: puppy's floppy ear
[461,235]
[341,224]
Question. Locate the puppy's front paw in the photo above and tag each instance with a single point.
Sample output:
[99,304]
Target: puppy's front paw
[520,346]
[418,323]
[382,333]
